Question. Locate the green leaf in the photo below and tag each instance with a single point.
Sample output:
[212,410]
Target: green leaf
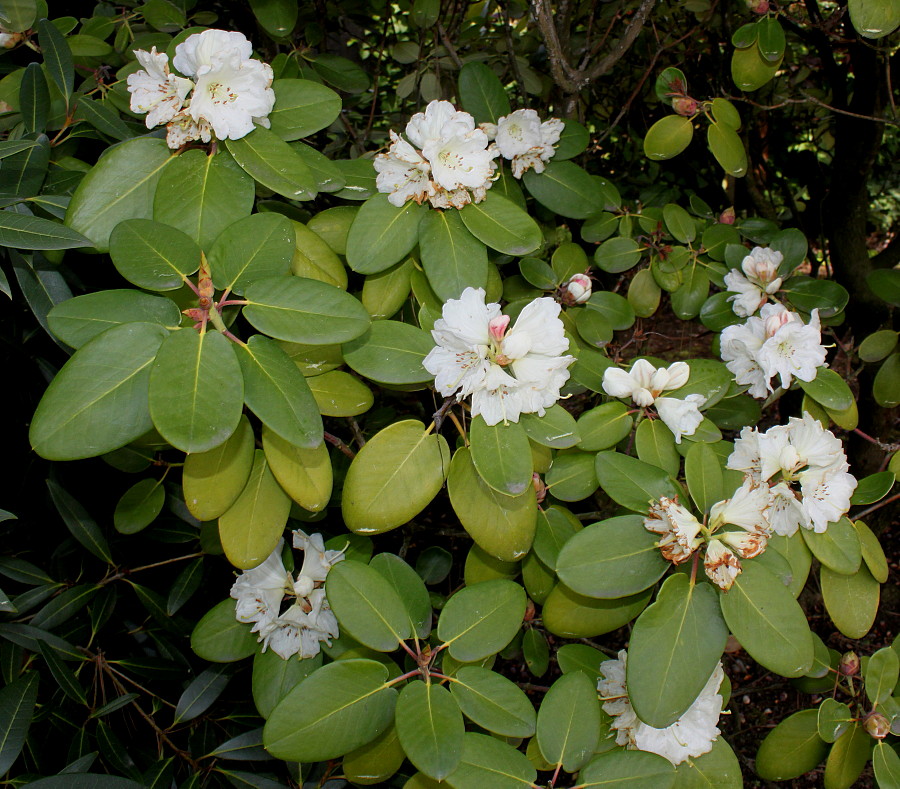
[313,258]
[376,761]
[502,225]
[631,482]
[18,15]
[618,254]
[410,587]
[251,249]
[482,94]
[276,391]
[382,234]
[453,259]
[886,385]
[186,584]
[501,456]
[675,647]
[22,231]
[493,702]
[572,476]
[220,638]
[478,621]
[303,310]
[199,696]
[886,764]
[78,320]
[120,186]
[487,761]
[807,294]
[336,709]
[139,506]
[252,527]
[340,394]
[704,477]
[274,677]
[878,346]
[64,606]
[202,195]
[394,477]
[17,702]
[885,283]
[276,17]
[770,39]
[390,352]
[847,758]
[302,107]
[679,222]
[213,480]
[604,426]
[152,255]
[593,328]
[833,719]
[873,488]
[196,390]
[82,527]
[727,147]
[717,768]
[838,547]
[270,161]
[501,525]
[874,18]
[63,675]
[668,137]
[690,296]
[767,621]
[568,721]
[750,70]
[566,189]
[556,428]
[851,600]
[611,559]
[725,112]
[367,606]
[872,552]
[626,769]
[430,728]
[85,781]
[344,74]
[26,169]
[103,118]
[655,444]
[572,141]
[304,474]
[245,747]
[828,389]
[34,99]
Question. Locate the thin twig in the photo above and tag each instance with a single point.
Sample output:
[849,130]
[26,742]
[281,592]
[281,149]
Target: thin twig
[874,507]
[336,442]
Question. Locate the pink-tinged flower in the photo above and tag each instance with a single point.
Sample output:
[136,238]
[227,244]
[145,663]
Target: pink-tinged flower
[232,90]
[678,528]
[576,289]
[721,565]
[758,281]
[507,371]
[692,735]
[154,90]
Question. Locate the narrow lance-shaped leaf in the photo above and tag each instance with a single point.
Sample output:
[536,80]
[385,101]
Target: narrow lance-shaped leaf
[57,57]
[17,702]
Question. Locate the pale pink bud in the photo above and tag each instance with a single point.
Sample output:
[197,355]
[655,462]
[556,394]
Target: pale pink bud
[497,327]
[758,6]
[877,725]
[727,217]
[540,489]
[577,289]
[849,664]
[685,105]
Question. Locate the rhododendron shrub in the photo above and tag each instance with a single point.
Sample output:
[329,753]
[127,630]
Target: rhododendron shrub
[407,421]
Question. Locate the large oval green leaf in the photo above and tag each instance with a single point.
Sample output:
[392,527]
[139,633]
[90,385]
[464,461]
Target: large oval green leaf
[253,525]
[452,257]
[276,391]
[302,107]
[201,195]
[611,559]
[77,321]
[333,711]
[250,249]
[367,606]
[727,147]
[874,18]
[750,70]
[631,482]
[838,547]
[792,748]
[572,615]
[274,677]
[219,637]
[566,189]
[390,352]
[480,620]
[493,702]
[627,769]
[851,600]
[305,474]
[568,721]
[99,400]
[482,94]
[152,255]
[196,390]
[675,647]
[120,186]
[270,161]
[501,456]
[764,617]
[303,310]
[382,234]
[410,587]
[487,761]
[503,526]
[394,477]
[430,728]
[502,225]
[668,137]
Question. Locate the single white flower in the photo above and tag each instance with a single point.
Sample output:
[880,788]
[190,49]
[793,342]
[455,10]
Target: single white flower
[746,455]
[439,121]
[786,511]
[746,508]
[461,161]
[826,496]
[232,90]
[507,373]
[759,280]
[740,346]
[402,173]
[526,142]
[691,735]
[678,527]
[721,565]
[682,417]
[154,90]
[301,629]
[316,560]
[259,591]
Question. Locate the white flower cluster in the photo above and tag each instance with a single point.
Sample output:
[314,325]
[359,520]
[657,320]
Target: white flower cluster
[508,373]
[776,342]
[800,454]
[692,735]
[231,91]
[446,160]
[644,384]
[758,281]
[524,140]
[308,619]
[681,532]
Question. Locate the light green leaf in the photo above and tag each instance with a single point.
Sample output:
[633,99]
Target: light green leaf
[604,426]
[851,600]
[571,615]
[829,389]
[304,474]
[270,161]
[874,18]
[886,764]
[627,769]
[152,255]
[453,259]
[382,234]
[340,394]
[501,456]
[631,482]
[668,137]
[568,721]
[480,620]
[486,761]
[274,677]
[251,249]
[410,587]
[430,728]
[220,638]
[302,107]
[390,352]
[847,758]
[502,225]
[493,702]
[837,548]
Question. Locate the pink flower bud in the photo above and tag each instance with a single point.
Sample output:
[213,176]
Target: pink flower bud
[497,327]
[727,217]
[577,290]
[540,489]
[758,6]
[685,105]
[849,664]
[877,725]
